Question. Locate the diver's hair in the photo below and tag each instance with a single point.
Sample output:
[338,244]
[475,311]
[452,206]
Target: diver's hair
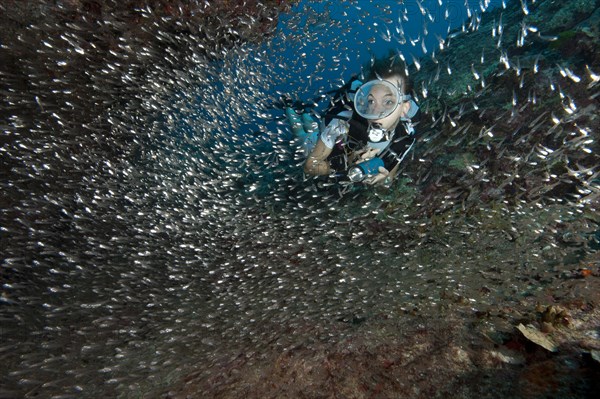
[386,67]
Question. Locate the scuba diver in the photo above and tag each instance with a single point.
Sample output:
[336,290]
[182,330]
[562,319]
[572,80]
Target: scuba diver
[367,131]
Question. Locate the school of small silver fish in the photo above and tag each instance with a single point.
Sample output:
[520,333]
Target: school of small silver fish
[155,211]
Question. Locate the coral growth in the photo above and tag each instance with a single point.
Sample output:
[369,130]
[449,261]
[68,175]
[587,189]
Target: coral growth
[414,357]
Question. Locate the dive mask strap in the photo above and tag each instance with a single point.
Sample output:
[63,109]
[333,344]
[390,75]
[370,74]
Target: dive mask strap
[414,108]
[352,90]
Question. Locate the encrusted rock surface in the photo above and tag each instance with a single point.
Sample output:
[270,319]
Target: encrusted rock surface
[482,355]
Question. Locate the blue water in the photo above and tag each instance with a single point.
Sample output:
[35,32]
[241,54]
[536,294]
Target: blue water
[369,29]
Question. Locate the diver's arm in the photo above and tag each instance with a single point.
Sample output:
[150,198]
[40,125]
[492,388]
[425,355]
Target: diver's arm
[392,158]
[384,176]
[394,172]
[316,164]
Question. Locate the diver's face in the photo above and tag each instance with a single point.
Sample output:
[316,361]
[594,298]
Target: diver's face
[381,98]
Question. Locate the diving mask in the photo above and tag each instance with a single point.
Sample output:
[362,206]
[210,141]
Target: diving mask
[377,99]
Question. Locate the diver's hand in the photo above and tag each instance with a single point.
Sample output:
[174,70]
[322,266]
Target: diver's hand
[379,178]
